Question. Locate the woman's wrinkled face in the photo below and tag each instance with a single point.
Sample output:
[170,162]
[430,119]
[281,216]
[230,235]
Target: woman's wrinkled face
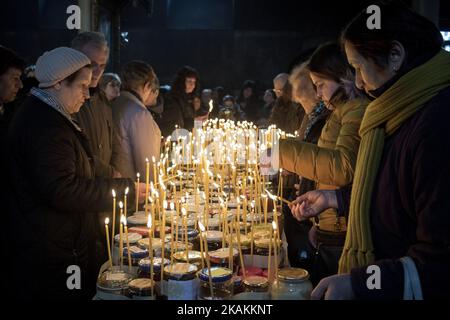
[190,84]
[72,95]
[368,75]
[325,88]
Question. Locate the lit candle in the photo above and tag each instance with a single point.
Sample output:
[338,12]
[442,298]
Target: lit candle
[201,249]
[150,248]
[121,235]
[137,191]
[125,201]
[107,242]
[155,177]
[203,236]
[113,230]
[147,183]
[266,204]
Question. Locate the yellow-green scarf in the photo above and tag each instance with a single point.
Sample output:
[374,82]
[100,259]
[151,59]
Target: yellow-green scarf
[382,118]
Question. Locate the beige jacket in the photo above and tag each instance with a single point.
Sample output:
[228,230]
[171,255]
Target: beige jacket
[138,135]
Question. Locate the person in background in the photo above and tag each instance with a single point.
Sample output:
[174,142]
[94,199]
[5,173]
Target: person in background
[53,188]
[178,107]
[230,109]
[286,114]
[269,102]
[138,134]
[11,68]
[249,101]
[398,208]
[110,85]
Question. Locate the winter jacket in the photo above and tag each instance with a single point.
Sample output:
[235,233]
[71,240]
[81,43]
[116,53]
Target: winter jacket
[54,194]
[331,163]
[138,135]
[95,118]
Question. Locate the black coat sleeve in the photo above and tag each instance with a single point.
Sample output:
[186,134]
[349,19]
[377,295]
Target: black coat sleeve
[57,181]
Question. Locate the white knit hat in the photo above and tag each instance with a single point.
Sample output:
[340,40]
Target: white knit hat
[56,65]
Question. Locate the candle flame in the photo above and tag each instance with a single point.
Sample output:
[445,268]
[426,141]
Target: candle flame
[153,159]
[120,204]
[165,204]
[107,221]
[126,190]
[211,106]
[172,206]
[201,226]
[113,193]
[183,211]
[149,222]
[274,225]
[271,196]
[146,160]
[138,175]
[123,220]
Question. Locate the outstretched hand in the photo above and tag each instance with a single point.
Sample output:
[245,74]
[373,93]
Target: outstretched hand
[313,203]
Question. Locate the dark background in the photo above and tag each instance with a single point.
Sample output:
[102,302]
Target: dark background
[227,41]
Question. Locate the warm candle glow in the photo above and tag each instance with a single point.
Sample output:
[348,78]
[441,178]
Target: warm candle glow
[113,193]
[126,190]
[149,221]
[211,106]
[107,221]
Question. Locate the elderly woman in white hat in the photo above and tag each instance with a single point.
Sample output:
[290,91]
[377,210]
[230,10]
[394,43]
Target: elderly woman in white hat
[54,191]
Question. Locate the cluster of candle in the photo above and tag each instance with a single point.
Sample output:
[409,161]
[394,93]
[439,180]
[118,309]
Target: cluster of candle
[205,172]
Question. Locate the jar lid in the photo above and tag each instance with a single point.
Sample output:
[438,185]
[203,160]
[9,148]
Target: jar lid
[135,252]
[138,219]
[179,246]
[293,274]
[213,235]
[144,264]
[132,237]
[218,274]
[113,280]
[244,240]
[193,256]
[181,269]
[156,243]
[141,284]
[256,282]
[223,253]
[264,243]
[192,233]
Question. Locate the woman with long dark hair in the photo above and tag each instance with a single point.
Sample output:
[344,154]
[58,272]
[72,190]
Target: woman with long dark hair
[178,104]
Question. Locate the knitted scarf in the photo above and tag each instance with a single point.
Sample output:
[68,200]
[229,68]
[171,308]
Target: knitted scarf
[382,118]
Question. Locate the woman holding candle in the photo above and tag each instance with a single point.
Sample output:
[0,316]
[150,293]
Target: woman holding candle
[54,192]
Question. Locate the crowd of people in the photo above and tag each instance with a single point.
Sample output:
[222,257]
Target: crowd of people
[367,172]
